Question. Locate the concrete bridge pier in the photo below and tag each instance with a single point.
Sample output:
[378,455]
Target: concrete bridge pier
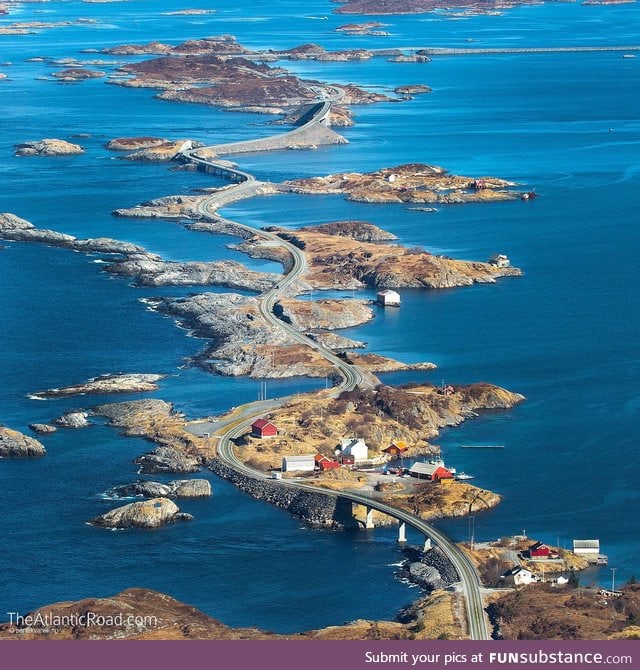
[402,533]
[368,522]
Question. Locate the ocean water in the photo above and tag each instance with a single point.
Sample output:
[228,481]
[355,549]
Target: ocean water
[565,335]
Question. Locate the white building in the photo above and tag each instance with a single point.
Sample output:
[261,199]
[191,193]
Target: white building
[388,298]
[306,463]
[500,261]
[356,447]
[588,549]
[519,576]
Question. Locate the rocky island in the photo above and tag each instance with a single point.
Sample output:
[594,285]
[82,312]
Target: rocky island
[151,513]
[337,259]
[48,147]
[411,183]
[14,444]
[123,383]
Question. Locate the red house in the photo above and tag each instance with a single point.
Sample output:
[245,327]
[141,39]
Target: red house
[396,448]
[539,550]
[325,463]
[347,460]
[263,428]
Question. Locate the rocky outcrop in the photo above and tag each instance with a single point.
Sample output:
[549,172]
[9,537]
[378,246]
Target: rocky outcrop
[148,269]
[42,428]
[14,444]
[335,262]
[139,614]
[167,460]
[324,314]
[73,420]
[151,270]
[431,569]
[16,229]
[124,383]
[363,231]
[412,89]
[134,143]
[411,183]
[162,153]
[367,28]
[180,488]
[78,74]
[151,513]
[48,147]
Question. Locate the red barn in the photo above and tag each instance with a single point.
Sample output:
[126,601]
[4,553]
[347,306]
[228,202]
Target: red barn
[539,550]
[325,463]
[263,428]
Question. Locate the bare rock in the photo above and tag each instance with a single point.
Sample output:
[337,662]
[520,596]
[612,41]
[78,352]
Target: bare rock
[42,428]
[135,143]
[167,459]
[72,420]
[78,74]
[14,444]
[181,488]
[151,513]
[48,147]
[191,488]
[125,383]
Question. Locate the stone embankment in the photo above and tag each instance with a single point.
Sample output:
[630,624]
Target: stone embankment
[314,508]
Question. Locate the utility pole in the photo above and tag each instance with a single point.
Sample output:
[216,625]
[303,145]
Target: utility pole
[613,580]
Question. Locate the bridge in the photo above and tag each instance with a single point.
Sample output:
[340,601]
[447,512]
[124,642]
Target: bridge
[313,131]
[473,51]
[352,377]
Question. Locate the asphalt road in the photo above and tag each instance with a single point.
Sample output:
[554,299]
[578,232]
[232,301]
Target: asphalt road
[240,420]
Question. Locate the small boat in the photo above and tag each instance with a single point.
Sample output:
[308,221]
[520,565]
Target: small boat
[629,56]
[463,477]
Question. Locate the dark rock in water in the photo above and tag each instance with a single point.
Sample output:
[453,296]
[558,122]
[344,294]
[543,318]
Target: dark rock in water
[142,488]
[426,576]
[181,488]
[72,420]
[431,569]
[14,444]
[151,513]
[167,459]
[42,428]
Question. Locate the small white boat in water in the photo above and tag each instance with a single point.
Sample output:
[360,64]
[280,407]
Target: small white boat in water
[463,476]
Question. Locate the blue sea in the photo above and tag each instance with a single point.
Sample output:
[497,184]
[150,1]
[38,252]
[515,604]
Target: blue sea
[566,334]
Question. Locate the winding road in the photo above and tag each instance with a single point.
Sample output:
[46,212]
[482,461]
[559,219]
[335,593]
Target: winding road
[352,378]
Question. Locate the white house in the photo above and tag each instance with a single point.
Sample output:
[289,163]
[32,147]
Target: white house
[500,261]
[519,576]
[588,549]
[356,447]
[306,463]
[388,298]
